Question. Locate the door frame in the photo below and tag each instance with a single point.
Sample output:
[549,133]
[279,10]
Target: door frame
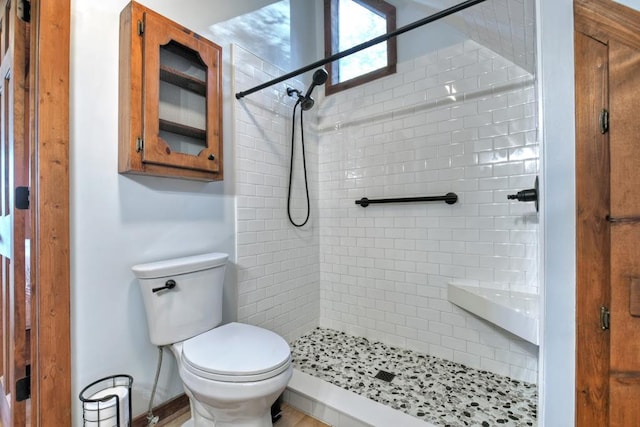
[51,333]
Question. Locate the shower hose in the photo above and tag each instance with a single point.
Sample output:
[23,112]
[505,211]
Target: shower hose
[304,166]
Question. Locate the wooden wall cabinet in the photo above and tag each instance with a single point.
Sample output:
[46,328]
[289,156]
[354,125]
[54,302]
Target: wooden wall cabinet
[170,95]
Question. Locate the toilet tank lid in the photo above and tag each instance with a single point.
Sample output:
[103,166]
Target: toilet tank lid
[175,266]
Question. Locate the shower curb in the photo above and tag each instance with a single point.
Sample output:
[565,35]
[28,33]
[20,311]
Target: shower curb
[342,408]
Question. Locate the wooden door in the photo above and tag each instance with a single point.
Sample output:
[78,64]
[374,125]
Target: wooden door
[592,246]
[624,219]
[608,214]
[14,172]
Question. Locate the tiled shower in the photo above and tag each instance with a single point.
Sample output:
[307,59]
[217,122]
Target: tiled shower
[461,119]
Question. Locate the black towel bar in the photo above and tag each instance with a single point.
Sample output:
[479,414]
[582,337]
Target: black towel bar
[449,198]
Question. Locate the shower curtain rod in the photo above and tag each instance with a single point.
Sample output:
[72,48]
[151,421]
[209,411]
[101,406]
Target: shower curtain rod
[384,37]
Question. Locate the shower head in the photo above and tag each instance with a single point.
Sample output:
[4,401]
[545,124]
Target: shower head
[319,78]
[306,101]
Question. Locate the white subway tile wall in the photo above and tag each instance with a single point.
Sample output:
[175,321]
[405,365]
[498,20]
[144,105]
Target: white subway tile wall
[461,120]
[278,264]
[507,26]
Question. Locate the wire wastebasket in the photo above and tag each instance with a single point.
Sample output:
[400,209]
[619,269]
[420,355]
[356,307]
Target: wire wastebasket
[107,402]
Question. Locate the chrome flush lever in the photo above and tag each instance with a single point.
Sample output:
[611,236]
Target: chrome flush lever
[169,285]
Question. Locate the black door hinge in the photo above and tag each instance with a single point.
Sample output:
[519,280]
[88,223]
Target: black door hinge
[24,10]
[23,386]
[604,121]
[605,318]
[22,198]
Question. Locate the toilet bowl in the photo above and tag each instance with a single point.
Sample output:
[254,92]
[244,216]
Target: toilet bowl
[232,373]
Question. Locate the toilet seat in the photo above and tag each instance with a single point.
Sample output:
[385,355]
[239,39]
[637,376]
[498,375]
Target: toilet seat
[236,352]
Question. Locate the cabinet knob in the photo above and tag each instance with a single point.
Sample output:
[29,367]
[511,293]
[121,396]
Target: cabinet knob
[211,157]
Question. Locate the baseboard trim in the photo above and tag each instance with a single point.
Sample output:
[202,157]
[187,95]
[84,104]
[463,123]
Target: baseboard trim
[166,411]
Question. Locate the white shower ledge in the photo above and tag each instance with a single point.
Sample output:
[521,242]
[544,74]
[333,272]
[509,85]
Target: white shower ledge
[516,312]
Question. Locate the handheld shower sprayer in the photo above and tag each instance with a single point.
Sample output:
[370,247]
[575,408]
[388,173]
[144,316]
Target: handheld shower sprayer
[306,101]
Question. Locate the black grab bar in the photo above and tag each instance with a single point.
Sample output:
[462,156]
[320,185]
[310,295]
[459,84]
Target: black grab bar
[449,198]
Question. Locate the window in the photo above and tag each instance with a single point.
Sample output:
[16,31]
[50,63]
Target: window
[348,23]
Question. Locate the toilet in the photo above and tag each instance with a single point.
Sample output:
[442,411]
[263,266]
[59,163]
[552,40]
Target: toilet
[232,373]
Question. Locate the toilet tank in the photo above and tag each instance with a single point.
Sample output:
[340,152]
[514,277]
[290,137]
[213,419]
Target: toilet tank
[192,306]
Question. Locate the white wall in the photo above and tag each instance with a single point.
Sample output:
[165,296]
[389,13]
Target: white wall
[635,4]
[461,119]
[118,221]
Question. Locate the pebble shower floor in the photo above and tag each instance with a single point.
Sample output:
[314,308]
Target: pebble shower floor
[435,390]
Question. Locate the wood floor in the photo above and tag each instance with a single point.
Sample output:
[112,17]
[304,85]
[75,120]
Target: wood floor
[290,418]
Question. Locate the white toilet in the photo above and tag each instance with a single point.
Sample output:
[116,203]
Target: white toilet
[231,373]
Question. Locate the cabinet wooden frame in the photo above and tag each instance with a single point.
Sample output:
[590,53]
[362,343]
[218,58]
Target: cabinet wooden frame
[141,148]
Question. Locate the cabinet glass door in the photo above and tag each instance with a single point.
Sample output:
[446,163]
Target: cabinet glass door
[183,102]
[181,98]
